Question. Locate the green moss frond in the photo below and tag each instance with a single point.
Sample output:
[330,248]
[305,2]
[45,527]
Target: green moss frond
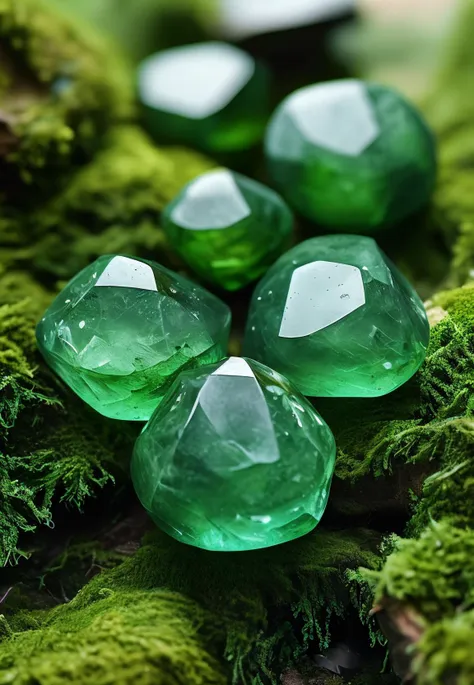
[50,443]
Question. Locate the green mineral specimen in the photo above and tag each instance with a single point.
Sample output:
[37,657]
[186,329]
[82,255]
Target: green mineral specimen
[338,319]
[234,459]
[210,95]
[228,228]
[351,155]
[122,329]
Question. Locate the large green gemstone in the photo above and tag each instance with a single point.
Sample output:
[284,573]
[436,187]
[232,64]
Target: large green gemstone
[228,228]
[338,319]
[234,459]
[123,328]
[351,155]
[209,95]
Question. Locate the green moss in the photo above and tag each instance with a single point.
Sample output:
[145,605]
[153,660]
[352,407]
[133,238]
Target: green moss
[434,577]
[112,205]
[433,573]
[424,431]
[260,610]
[444,653]
[144,26]
[63,86]
[50,443]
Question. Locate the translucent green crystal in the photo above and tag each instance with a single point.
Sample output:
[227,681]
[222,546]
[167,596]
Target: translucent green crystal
[351,155]
[338,319]
[234,459]
[210,95]
[228,228]
[123,328]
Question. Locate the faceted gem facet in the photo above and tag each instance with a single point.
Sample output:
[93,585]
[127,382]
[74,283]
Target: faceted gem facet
[123,328]
[351,155]
[228,228]
[210,95]
[234,459]
[338,319]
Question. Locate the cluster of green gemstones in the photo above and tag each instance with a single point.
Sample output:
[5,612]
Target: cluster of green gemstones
[234,457]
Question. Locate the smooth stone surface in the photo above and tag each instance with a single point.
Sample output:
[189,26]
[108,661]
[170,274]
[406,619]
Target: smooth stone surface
[234,459]
[210,95]
[120,332]
[351,155]
[338,319]
[227,227]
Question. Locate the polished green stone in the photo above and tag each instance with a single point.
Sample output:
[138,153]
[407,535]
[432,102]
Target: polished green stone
[228,228]
[209,95]
[234,459]
[338,319]
[351,155]
[122,330]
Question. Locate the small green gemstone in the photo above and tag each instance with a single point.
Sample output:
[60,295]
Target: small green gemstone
[210,95]
[234,459]
[338,319]
[228,228]
[351,155]
[123,328]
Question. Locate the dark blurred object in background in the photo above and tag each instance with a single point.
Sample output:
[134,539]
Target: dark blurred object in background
[293,36]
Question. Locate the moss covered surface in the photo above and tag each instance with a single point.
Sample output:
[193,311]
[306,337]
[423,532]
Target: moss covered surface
[56,103]
[169,613]
[181,615]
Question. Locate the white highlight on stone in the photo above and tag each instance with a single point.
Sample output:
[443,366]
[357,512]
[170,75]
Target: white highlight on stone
[320,294]
[247,17]
[213,201]
[337,116]
[234,366]
[194,81]
[124,272]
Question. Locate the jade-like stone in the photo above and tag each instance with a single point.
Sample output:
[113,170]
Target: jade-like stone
[234,459]
[351,155]
[123,328]
[228,228]
[211,95]
[338,319]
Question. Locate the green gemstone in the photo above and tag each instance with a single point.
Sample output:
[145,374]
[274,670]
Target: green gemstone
[210,95]
[338,319]
[351,155]
[228,228]
[123,328]
[234,459]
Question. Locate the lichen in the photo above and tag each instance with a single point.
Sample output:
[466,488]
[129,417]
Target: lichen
[56,102]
